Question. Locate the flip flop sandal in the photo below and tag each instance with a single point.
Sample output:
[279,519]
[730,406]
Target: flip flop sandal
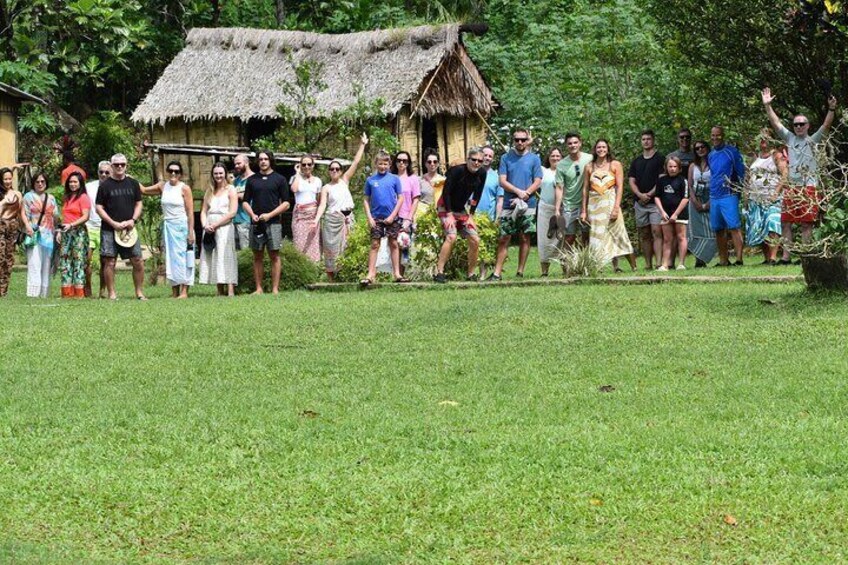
[365,283]
[402,280]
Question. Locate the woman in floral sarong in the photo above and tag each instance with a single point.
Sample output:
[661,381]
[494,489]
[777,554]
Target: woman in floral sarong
[73,254]
[602,191]
[336,207]
[12,222]
[305,232]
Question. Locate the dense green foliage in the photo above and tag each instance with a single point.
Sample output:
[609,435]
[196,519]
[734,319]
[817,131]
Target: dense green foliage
[429,237]
[408,427]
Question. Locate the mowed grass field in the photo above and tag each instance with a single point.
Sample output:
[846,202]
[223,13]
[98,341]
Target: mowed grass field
[623,424]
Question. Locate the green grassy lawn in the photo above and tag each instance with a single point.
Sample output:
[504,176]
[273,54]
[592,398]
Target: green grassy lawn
[427,427]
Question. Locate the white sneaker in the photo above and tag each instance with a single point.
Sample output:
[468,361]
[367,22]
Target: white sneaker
[681,267]
[662,268]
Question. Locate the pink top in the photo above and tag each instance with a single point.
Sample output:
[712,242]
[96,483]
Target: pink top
[74,208]
[411,186]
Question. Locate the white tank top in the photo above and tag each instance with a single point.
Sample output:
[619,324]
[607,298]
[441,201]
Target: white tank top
[173,205]
[339,197]
[307,190]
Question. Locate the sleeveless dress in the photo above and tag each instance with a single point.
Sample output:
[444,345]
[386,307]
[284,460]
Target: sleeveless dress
[179,261]
[10,227]
[219,266]
[763,202]
[546,246]
[702,242]
[607,237]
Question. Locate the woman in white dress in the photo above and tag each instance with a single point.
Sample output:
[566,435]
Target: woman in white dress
[218,264]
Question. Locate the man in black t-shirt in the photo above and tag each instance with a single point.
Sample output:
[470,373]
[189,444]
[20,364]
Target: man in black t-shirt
[266,196]
[119,207]
[643,174]
[463,183]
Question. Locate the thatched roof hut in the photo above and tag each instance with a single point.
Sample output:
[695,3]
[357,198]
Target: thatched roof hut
[223,88]
[11,99]
[236,73]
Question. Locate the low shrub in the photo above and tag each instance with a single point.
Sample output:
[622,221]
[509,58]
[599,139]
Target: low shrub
[297,270]
[429,238]
[581,261]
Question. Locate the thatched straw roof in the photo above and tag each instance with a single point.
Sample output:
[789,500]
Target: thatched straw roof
[236,73]
[19,94]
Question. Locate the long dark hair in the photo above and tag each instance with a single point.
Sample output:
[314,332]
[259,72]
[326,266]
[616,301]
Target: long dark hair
[698,161]
[3,172]
[69,195]
[410,166]
[610,156]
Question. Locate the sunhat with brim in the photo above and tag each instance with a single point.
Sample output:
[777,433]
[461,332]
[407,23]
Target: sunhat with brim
[126,238]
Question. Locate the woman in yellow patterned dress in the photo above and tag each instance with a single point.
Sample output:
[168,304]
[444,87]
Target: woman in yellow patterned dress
[602,191]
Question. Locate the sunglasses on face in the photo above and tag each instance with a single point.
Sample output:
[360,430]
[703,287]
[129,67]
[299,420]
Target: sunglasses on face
[685,137]
[799,124]
[103,172]
[402,160]
[432,162]
[520,139]
[475,160]
[119,164]
[700,147]
[307,164]
[335,169]
[175,171]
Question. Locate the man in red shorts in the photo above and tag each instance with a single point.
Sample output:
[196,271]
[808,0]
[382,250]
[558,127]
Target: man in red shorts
[801,199]
[463,185]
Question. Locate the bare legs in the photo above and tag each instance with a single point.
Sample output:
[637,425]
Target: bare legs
[259,270]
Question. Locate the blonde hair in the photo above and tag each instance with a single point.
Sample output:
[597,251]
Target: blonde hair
[210,192]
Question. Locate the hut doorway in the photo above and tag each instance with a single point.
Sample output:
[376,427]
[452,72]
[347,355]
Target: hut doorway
[256,128]
[429,137]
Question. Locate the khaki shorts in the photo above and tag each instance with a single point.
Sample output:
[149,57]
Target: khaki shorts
[647,215]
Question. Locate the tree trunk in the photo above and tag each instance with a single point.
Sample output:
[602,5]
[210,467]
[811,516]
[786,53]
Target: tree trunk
[280,6]
[216,12]
[826,273]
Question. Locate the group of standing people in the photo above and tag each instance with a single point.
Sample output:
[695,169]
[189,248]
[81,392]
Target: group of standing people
[686,202]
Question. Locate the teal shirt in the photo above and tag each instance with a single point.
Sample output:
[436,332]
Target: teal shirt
[241,216]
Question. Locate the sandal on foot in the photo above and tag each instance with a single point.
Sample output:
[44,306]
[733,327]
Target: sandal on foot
[366,283]
[402,280]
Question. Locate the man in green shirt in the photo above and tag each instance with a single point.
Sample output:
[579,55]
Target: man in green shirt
[568,191]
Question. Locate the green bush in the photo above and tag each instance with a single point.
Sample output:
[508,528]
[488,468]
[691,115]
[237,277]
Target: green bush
[429,238]
[353,263]
[297,270]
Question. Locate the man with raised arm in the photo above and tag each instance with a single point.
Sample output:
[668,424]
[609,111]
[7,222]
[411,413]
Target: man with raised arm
[800,202]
